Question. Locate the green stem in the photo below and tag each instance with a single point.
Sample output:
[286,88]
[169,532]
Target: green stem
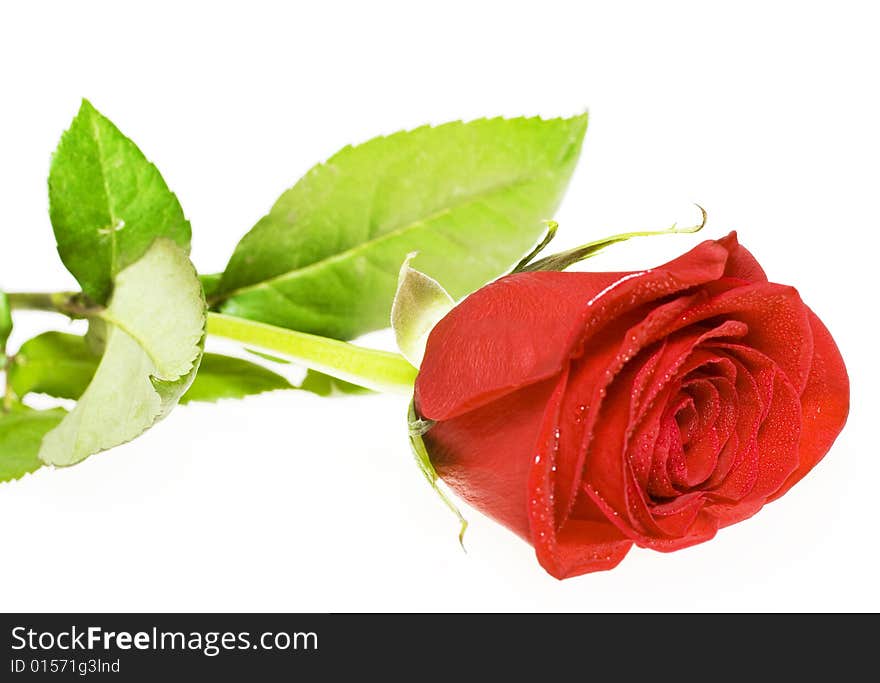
[34,301]
[377,370]
[67,303]
[8,395]
[370,368]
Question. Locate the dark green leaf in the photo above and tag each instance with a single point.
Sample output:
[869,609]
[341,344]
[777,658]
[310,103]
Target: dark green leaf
[470,197]
[210,283]
[228,377]
[324,385]
[107,203]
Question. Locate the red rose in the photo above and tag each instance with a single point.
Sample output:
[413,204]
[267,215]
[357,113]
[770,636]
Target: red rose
[591,411]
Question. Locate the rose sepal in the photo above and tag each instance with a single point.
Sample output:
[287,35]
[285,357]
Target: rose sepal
[566,259]
[417,428]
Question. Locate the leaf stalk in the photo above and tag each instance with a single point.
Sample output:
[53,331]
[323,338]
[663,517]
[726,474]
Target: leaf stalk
[71,304]
[371,368]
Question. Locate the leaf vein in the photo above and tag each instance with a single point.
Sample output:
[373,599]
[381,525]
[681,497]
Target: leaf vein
[114,222]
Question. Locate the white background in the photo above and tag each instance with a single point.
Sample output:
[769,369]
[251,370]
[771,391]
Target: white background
[766,113]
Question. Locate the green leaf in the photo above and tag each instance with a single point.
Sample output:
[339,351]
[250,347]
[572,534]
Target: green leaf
[107,203]
[156,323]
[62,365]
[324,385]
[21,431]
[53,363]
[5,324]
[419,304]
[210,283]
[470,197]
[228,377]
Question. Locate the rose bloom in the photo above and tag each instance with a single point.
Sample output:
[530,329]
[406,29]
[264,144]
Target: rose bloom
[591,411]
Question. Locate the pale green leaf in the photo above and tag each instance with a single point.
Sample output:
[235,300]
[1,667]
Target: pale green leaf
[107,203]
[21,431]
[156,322]
[419,304]
[62,365]
[470,197]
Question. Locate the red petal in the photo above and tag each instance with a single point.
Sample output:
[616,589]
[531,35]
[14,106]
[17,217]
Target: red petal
[595,372]
[522,328]
[754,388]
[778,321]
[741,264]
[485,455]
[702,529]
[579,546]
[725,429]
[676,518]
[649,445]
[607,477]
[777,441]
[668,463]
[584,547]
[512,332]
[824,403]
[773,458]
[590,375]
[733,514]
